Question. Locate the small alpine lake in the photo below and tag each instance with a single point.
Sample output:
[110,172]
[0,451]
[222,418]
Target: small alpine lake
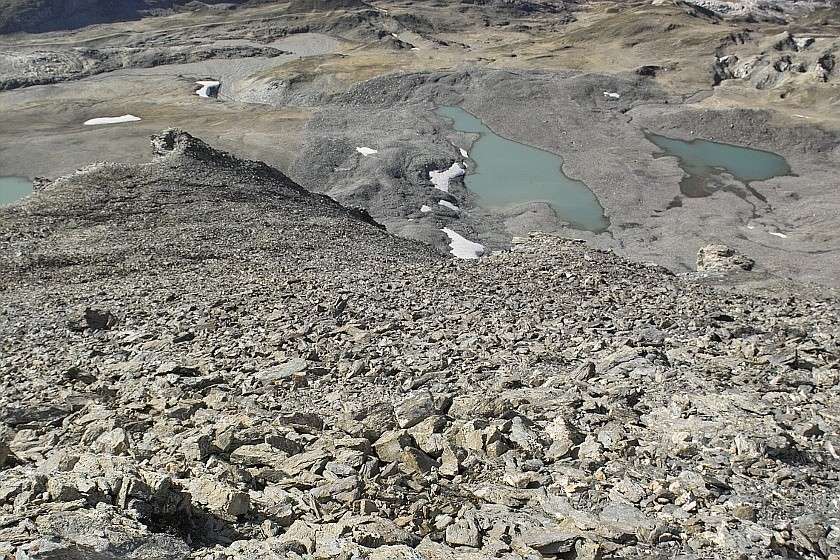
[705,163]
[505,173]
[13,189]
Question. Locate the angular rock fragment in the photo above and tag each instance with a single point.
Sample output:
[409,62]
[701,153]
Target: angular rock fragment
[465,532]
[549,541]
[414,461]
[415,409]
[563,438]
[219,498]
[390,445]
[102,533]
[99,319]
[113,442]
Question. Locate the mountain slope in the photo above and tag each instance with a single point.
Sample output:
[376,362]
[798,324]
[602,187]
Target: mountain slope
[201,358]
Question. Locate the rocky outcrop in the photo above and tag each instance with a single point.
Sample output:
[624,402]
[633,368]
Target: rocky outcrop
[751,10]
[779,61]
[720,258]
[282,379]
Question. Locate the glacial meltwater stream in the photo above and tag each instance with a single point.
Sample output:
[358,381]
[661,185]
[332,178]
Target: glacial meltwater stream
[13,189]
[506,173]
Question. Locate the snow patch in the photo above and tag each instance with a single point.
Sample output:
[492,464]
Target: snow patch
[464,153]
[112,120]
[447,204]
[365,151]
[425,208]
[440,179]
[208,88]
[778,234]
[462,247]
[612,94]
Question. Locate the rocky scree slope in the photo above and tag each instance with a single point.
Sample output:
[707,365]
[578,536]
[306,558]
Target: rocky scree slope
[200,359]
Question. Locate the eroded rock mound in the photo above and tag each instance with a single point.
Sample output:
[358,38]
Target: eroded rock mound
[721,258]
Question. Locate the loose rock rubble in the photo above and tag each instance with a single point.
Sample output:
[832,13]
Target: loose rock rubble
[203,360]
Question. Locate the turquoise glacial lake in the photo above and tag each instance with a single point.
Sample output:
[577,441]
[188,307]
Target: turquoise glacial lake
[505,173]
[14,188]
[704,164]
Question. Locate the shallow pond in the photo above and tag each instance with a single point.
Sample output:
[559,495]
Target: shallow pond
[14,188]
[705,163]
[506,173]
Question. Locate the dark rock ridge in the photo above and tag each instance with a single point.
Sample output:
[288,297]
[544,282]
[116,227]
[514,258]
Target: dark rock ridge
[523,7]
[203,360]
[296,6]
[39,16]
